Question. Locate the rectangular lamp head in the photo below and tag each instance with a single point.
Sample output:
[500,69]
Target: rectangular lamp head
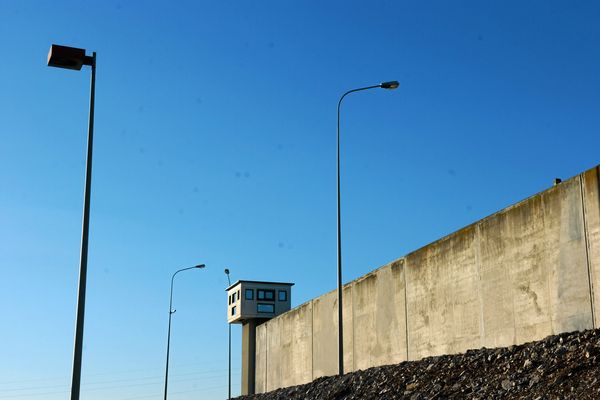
[67,57]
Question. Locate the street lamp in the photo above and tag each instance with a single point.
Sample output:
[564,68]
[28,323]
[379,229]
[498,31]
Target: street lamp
[384,85]
[229,352]
[73,58]
[171,312]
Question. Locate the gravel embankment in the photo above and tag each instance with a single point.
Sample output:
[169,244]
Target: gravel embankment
[558,367]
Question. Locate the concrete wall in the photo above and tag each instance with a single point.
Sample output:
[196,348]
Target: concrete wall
[526,272]
[379,316]
[591,207]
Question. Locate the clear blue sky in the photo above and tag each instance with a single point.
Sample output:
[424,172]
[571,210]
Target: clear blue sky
[215,143]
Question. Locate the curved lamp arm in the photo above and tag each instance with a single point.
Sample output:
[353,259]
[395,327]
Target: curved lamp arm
[172,278]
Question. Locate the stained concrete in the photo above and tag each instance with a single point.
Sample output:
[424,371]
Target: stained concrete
[325,337]
[526,272]
[443,296]
[591,196]
[380,313]
[289,349]
[533,266]
[325,333]
[261,359]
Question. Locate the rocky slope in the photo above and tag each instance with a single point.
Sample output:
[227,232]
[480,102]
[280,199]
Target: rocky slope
[558,367]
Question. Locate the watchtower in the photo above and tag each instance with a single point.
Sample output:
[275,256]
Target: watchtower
[251,303]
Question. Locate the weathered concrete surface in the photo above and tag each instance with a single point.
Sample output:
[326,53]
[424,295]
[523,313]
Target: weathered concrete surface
[325,333]
[534,268]
[349,330]
[261,359]
[591,196]
[324,351]
[289,348]
[380,311]
[442,295]
[524,273]
[568,279]
[379,316]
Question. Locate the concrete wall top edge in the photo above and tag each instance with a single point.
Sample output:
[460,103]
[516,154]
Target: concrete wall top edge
[499,212]
[402,260]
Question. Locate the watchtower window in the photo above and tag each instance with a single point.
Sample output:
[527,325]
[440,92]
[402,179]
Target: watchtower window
[265,308]
[282,295]
[263,294]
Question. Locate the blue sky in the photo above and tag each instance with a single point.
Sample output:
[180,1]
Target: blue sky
[215,144]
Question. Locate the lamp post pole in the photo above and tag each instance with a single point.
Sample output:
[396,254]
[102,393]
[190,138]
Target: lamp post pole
[171,312]
[229,350]
[74,58]
[384,85]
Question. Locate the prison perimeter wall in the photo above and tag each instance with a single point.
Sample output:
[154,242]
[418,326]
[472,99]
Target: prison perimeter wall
[526,272]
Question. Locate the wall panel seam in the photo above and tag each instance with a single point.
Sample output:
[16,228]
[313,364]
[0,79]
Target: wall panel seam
[405,266]
[480,295]
[547,274]
[587,245]
[353,330]
[597,170]
[312,340]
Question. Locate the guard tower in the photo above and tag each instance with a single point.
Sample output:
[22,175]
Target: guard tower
[251,303]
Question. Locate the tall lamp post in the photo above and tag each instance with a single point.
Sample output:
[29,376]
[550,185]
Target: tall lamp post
[74,58]
[171,312]
[384,85]
[229,351]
